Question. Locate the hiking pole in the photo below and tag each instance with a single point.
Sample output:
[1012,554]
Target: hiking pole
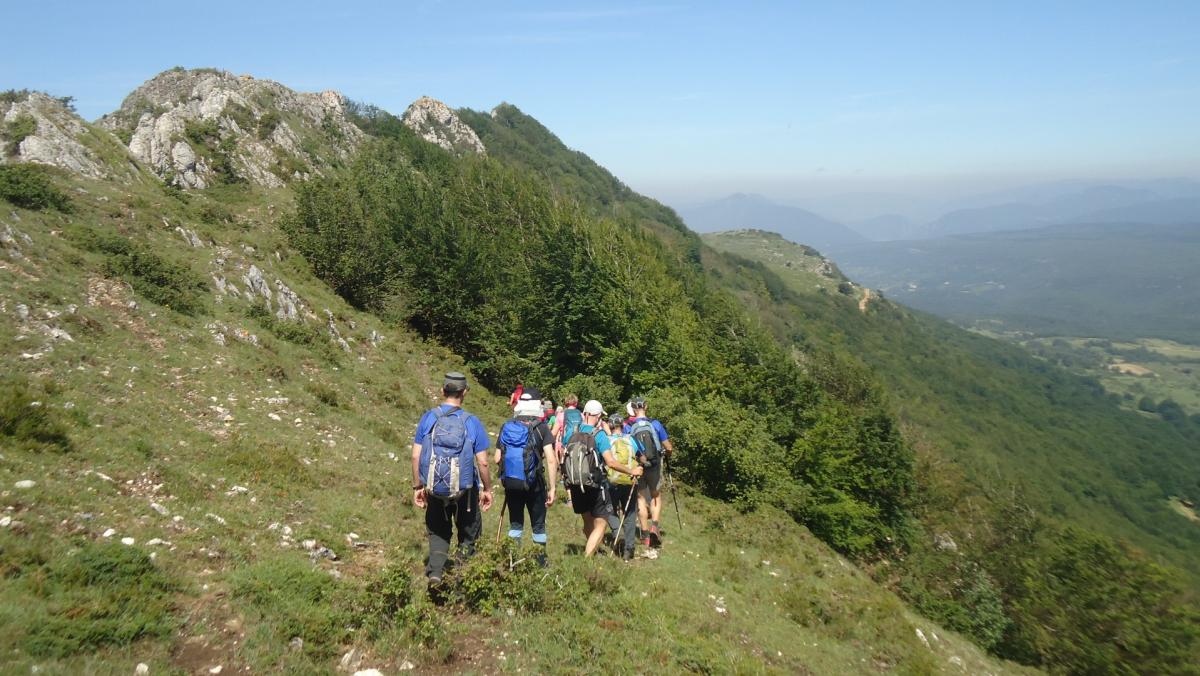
[624,515]
[500,518]
[674,498]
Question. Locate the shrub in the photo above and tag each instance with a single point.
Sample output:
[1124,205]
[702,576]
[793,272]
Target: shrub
[104,595]
[29,186]
[16,130]
[26,425]
[324,393]
[169,284]
[500,577]
[296,599]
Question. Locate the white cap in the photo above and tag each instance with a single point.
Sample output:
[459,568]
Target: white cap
[629,408]
[593,407]
[528,407]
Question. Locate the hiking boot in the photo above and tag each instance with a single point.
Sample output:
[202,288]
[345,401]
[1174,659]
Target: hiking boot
[437,593]
[655,537]
[645,541]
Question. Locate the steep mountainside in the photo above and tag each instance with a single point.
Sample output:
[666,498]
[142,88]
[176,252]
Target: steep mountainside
[197,128]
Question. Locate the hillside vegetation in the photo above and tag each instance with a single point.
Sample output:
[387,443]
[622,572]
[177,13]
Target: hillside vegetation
[238,446]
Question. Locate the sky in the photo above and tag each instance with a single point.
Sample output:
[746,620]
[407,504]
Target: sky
[688,101]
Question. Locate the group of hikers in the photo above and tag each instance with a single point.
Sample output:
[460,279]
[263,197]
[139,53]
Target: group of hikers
[611,465]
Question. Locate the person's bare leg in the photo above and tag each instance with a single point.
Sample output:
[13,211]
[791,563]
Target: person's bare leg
[596,536]
[656,506]
[643,513]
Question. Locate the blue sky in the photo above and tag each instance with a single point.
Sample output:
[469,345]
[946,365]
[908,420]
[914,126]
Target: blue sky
[695,99]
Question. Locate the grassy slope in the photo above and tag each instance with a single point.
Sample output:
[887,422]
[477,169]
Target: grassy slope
[993,409]
[160,413]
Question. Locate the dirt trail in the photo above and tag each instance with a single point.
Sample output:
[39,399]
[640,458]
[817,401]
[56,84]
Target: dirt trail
[862,302]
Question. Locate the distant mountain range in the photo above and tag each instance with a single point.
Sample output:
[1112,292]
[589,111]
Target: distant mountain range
[748,212]
[1152,202]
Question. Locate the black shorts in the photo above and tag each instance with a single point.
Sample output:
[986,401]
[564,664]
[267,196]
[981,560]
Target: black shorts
[598,501]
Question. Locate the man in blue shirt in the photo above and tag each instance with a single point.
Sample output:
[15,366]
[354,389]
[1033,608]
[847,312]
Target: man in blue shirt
[650,487]
[464,513]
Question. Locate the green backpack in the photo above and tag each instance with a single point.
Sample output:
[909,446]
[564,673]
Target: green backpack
[624,452]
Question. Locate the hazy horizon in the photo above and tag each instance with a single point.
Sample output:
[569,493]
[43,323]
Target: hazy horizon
[692,101]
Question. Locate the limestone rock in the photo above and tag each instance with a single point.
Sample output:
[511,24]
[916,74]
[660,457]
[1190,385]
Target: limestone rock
[54,134]
[195,128]
[436,123]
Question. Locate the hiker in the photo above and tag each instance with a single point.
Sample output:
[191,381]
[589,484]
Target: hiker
[516,395]
[523,446]
[656,448]
[448,444]
[587,452]
[567,423]
[626,456]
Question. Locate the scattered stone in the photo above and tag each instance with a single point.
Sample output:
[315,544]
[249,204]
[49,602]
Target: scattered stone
[956,660]
[274,416]
[296,644]
[368,672]
[109,533]
[128,542]
[351,660]
[215,670]
[237,490]
[25,484]
[159,508]
[944,542]
[142,669]
[322,553]
[921,635]
[216,518]
[190,237]
[5,521]
[310,545]
[407,666]
[155,542]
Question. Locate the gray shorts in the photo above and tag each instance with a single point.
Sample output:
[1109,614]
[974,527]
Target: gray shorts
[650,481]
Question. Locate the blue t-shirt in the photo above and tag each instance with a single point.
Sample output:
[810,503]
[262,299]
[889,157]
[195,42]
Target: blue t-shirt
[603,443]
[658,429]
[475,431]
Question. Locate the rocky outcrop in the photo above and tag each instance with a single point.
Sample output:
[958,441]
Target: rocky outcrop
[196,128]
[436,123]
[35,127]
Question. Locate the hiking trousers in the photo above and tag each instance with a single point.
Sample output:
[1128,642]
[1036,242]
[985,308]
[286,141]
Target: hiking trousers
[441,518]
[625,503]
[533,501]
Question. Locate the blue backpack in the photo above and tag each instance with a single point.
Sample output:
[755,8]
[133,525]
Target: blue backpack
[572,419]
[521,450]
[643,430]
[448,456]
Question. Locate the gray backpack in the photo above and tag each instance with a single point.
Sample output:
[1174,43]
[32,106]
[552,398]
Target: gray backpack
[581,462]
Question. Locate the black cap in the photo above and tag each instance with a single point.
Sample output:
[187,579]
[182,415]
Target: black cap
[455,382]
[616,420]
[638,402]
[533,392]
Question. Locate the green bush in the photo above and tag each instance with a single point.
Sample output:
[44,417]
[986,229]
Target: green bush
[173,285]
[17,130]
[502,576]
[26,423]
[29,186]
[103,595]
[295,599]
[324,393]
